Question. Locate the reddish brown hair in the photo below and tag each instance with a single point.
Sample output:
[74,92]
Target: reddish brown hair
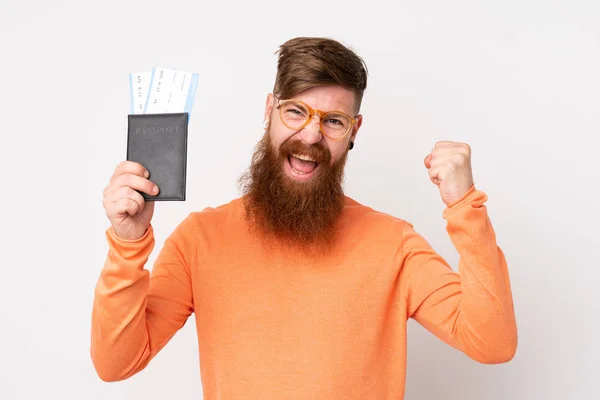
[307,62]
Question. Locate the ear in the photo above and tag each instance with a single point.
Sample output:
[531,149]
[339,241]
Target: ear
[269,104]
[356,127]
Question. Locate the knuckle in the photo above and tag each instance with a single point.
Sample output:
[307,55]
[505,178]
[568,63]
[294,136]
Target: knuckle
[118,182]
[135,168]
[133,206]
[457,159]
[127,164]
[127,180]
[121,168]
[119,207]
[129,192]
[137,197]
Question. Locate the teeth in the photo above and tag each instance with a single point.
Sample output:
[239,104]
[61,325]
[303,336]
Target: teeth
[303,157]
[298,172]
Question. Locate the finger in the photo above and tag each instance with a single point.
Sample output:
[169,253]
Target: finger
[128,193]
[450,161]
[130,167]
[443,143]
[122,206]
[136,182]
[427,161]
[457,146]
[434,176]
[444,150]
[438,161]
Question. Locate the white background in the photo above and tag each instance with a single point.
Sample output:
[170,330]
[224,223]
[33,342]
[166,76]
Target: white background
[518,80]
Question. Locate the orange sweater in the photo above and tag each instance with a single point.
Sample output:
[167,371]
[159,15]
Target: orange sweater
[275,325]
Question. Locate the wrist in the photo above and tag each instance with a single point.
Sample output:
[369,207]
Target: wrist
[130,237]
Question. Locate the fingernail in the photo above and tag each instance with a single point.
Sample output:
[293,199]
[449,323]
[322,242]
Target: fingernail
[155,189]
[146,173]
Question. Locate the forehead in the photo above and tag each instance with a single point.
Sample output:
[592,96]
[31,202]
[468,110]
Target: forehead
[329,98]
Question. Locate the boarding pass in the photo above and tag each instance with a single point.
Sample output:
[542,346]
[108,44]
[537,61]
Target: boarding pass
[162,90]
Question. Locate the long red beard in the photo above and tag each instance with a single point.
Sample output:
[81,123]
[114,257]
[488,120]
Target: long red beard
[299,213]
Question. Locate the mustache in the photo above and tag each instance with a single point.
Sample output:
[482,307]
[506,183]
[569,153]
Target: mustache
[317,151]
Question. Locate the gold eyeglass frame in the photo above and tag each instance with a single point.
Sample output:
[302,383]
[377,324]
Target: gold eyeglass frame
[312,112]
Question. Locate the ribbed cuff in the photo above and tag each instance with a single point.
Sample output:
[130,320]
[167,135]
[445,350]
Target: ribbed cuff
[473,198]
[131,249]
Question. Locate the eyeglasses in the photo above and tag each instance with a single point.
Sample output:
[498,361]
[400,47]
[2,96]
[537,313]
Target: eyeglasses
[296,114]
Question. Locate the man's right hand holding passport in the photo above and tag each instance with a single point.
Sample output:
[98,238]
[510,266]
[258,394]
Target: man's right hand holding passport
[128,212]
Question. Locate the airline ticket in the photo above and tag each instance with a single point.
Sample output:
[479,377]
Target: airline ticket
[162,90]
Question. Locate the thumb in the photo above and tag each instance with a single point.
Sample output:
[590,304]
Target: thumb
[427,161]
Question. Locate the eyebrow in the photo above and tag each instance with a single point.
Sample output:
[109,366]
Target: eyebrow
[302,108]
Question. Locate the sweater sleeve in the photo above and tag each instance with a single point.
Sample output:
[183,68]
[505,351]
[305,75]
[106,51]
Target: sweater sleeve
[471,310]
[136,312]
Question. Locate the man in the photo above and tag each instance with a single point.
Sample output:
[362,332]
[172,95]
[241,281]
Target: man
[299,291]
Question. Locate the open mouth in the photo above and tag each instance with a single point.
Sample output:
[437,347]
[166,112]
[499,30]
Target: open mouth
[301,166]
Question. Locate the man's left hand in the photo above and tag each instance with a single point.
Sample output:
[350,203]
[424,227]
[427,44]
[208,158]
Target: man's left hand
[449,166]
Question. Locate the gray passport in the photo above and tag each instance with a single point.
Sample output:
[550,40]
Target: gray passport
[159,143]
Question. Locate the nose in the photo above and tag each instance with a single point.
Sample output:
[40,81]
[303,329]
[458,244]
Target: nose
[311,133]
